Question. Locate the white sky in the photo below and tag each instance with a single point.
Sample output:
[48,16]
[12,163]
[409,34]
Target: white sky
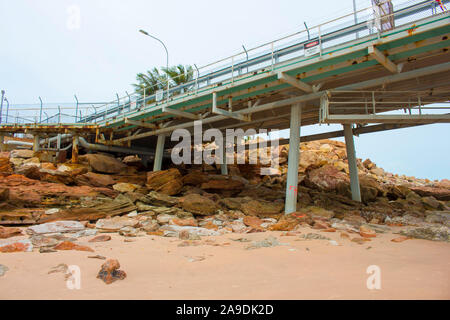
[41,56]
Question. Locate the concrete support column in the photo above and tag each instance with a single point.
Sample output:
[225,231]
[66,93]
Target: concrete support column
[293,160]
[223,165]
[36,143]
[2,143]
[351,157]
[159,153]
[58,144]
[75,149]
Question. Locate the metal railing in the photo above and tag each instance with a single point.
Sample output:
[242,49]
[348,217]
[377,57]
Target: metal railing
[232,69]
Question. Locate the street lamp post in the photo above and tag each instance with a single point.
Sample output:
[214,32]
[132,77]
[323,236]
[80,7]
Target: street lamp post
[1,105]
[167,60]
[7,109]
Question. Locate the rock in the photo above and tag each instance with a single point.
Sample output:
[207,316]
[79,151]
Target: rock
[266,243]
[438,193]
[317,212]
[431,203]
[327,178]
[168,182]
[262,208]
[5,165]
[103,163]
[3,270]
[115,224]
[228,184]
[110,272]
[101,238]
[8,232]
[39,241]
[439,217]
[253,221]
[195,178]
[314,236]
[16,246]
[194,230]
[94,180]
[400,239]
[366,232]
[128,232]
[428,233]
[159,199]
[24,154]
[184,222]
[55,227]
[67,245]
[125,187]
[198,204]
[234,203]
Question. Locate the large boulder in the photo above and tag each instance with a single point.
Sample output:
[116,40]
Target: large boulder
[103,163]
[168,182]
[437,192]
[94,180]
[24,154]
[326,178]
[198,204]
[5,165]
[262,208]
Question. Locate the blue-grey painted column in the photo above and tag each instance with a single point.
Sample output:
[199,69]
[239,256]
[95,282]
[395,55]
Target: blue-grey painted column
[159,153]
[36,143]
[294,158]
[223,165]
[351,157]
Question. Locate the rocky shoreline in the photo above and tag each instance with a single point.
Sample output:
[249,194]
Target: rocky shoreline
[55,204]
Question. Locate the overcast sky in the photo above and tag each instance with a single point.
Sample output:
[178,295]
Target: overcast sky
[46,52]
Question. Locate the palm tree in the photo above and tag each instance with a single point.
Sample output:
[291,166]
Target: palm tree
[154,80]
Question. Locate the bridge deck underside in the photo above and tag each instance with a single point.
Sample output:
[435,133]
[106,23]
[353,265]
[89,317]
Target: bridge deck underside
[411,48]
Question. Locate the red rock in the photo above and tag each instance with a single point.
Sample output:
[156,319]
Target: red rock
[184,222]
[14,247]
[327,178]
[439,193]
[103,163]
[9,232]
[262,208]
[5,165]
[198,204]
[67,245]
[320,225]
[110,272]
[195,178]
[228,184]
[210,225]
[400,239]
[252,221]
[101,238]
[94,180]
[168,182]
[366,232]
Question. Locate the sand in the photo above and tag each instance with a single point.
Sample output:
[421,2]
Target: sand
[157,268]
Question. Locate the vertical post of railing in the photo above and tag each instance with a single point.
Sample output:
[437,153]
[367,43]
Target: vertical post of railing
[118,103]
[355,17]
[320,41]
[7,109]
[196,79]
[271,47]
[246,53]
[76,108]
[129,101]
[106,110]
[40,111]
[373,102]
[143,102]
[1,106]
[232,69]
[420,104]
[59,114]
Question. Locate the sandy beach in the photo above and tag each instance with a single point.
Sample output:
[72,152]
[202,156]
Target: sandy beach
[221,268]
